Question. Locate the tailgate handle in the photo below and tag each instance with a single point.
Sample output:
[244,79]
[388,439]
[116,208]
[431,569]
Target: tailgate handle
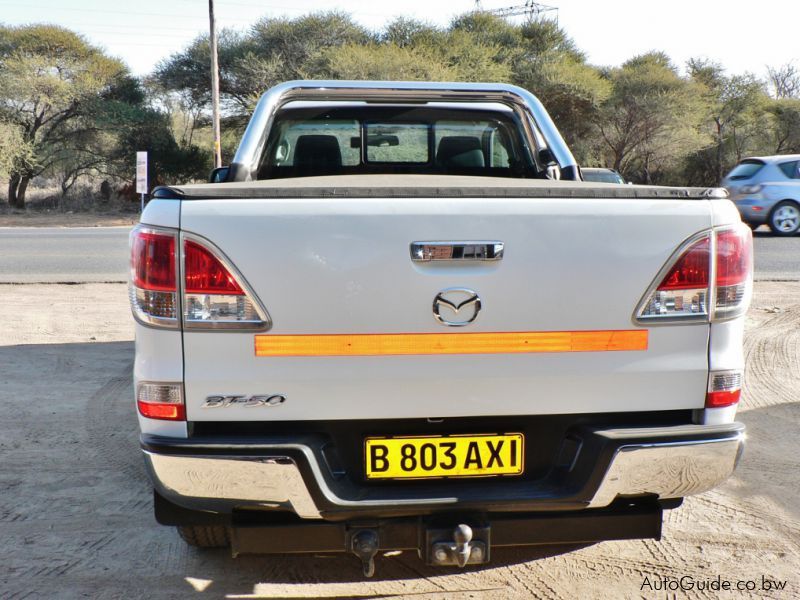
[456,251]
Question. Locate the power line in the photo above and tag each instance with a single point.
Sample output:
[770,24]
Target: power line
[529,9]
[267,9]
[103,10]
[127,32]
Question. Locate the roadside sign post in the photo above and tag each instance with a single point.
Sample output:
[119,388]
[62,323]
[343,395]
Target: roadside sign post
[141,175]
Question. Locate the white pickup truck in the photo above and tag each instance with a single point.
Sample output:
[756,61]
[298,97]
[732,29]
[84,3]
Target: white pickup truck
[400,321]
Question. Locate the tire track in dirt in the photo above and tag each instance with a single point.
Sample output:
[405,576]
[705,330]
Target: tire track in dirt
[535,583]
[749,513]
[112,427]
[726,508]
[771,347]
[13,517]
[19,595]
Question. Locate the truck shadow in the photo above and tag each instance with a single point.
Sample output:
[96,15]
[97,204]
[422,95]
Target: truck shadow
[396,574]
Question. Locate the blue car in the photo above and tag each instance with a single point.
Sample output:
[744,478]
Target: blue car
[766,190]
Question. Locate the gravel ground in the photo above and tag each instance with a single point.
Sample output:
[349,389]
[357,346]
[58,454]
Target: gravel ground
[75,505]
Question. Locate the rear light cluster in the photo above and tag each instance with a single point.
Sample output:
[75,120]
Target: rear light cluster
[724,388]
[734,274]
[710,278]
[213,294]
[162,401]
[154,280]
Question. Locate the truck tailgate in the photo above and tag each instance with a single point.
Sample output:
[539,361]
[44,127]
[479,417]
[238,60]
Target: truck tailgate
[343,266]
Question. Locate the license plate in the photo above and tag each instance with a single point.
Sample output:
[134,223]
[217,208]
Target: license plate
[444,456]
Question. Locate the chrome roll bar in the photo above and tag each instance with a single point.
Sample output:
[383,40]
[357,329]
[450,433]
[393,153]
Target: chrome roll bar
[540,130]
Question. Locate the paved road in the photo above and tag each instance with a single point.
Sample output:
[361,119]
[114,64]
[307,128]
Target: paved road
[89,254]
[68,255]
[777,258]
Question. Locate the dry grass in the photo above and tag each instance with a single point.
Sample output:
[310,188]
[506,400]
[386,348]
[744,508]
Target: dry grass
[82,207]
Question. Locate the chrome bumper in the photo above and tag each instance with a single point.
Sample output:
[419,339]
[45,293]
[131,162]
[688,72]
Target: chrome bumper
[215,482]
[654,464]
[669,470]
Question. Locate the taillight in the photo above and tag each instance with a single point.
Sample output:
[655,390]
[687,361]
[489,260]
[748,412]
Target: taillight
[724,388]
[154,280]
[714,264]
[215,295]
[734,271]
[161,401]
[683,291]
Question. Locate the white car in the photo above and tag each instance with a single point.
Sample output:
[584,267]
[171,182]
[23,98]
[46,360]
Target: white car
[403,322]
[599,175]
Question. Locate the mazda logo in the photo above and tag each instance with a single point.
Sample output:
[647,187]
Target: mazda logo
[456,307]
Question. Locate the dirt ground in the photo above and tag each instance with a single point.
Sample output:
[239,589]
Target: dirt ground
[75,505]
[33,218]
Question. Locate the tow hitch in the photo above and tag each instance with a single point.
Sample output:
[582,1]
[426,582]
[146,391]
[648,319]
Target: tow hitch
[455,540]
[364,545]
[460,546]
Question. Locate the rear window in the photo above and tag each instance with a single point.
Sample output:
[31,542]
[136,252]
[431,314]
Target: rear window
[746,169]
[385,139]
[791,169]
[395,143]
[333,135]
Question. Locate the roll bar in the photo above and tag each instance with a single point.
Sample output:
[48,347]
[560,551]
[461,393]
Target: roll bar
[542,133]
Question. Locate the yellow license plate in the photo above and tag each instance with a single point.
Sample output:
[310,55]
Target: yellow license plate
[444,456]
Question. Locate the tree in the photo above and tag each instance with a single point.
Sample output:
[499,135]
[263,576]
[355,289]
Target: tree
[15,152]
[545,60]
[785,81]
[294,42]
[274,50]
[381,62]
[736,119]
[785,113]
[187,74]
[543,38]
[643,118]
[490,30]
[149,130]
[405,32]
[650,119]
[49,78]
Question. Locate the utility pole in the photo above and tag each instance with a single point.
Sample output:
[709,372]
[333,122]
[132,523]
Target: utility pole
[214,86]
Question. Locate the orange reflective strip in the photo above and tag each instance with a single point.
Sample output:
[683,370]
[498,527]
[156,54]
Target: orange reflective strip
[517,342]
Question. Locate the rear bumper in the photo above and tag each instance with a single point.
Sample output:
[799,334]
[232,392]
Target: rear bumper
[292,475]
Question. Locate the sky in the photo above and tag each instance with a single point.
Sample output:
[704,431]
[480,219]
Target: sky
[742,36]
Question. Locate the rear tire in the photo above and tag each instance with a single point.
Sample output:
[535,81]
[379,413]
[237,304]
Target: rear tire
[784,220]
[205,536]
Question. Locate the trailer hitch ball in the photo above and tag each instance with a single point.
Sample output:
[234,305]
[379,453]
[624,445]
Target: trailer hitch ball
[365,546]
[461,546]
[462,536]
